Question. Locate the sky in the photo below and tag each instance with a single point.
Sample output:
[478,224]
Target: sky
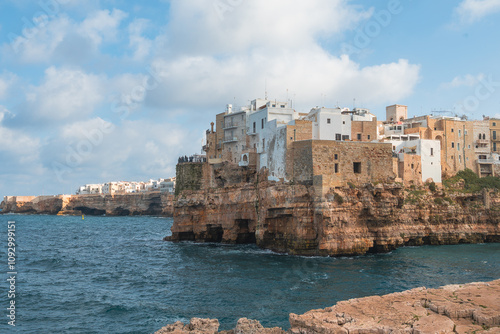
[93,91]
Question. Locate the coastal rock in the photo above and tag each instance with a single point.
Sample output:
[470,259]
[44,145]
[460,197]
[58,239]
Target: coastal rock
[468,308]
[291,218]
[195,326]
[149,203]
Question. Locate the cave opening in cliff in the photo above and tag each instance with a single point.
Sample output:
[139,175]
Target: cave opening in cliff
[246,235]
[214,233]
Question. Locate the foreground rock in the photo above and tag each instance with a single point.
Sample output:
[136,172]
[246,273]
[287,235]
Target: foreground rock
[469,308]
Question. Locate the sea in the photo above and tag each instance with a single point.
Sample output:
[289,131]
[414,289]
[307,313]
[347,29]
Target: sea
[116,275]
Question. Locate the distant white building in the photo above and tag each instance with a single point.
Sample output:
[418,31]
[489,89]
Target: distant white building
[89,189]
[418,155]
[330,124]
[168,185]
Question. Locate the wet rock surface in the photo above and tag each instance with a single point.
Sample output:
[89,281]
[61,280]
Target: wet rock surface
[469,308]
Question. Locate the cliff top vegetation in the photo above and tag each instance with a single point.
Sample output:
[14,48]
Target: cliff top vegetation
[471,182]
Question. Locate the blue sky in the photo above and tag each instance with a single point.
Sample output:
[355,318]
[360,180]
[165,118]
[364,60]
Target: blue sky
[104,90]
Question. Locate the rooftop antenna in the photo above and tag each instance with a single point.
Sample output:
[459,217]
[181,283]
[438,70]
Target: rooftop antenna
[265,89]
[354,103]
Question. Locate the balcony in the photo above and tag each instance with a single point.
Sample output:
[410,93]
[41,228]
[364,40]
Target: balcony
[230,140]
[482,142]
[230,125]
[485,161]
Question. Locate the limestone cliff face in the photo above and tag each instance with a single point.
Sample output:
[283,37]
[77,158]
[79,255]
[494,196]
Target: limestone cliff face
[292,219]
[150,203]
[32,204]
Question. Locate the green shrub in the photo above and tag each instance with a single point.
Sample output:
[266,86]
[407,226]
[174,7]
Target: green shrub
[339,199]
[472,182]
[432,187]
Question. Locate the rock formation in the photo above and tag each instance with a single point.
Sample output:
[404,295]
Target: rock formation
[149,203]
[291,218]
[469,308]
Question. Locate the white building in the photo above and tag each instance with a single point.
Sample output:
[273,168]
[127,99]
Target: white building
[89,189]
[428,150]
[330,124]
[168,185]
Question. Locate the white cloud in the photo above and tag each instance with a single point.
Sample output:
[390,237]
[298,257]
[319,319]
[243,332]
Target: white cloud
[229,52]
[138,43]
[63,39]
[306,73]
[201,26]
[467,80]
[17,144]
[7,80]
[470,11]
[66,93]
[102,25]
[101,151]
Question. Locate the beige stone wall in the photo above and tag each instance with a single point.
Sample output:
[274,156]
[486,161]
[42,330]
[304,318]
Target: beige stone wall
[410,169]
[335,164]
[302,130]
[367,130]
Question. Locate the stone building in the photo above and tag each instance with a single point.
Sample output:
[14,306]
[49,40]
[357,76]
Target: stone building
[328,164]
[419,160]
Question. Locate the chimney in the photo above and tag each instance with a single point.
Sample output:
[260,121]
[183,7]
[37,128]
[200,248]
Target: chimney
[212,125]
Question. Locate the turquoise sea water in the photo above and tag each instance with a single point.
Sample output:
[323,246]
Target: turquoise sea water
[116,275]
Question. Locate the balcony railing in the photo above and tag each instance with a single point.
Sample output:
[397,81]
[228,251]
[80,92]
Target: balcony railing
[482,142]
[230,125]
[485,161]
[230,140]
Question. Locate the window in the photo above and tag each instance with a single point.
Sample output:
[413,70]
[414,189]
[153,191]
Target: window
[432,151]
[368,137]
[452,130]
[343,122]
[274,106]
[262,123]
[345,137]
[357,167]
[484,136]
[458,146]
[412,166]
[282,106]
[336,156]
[328,121]
[338,136]
[494,146]
[494,135]
[264,143]
[452,145]
[459,158]
[254,127]
[336,168]
[494,124]
[479,136]
[459,133]
[359,136]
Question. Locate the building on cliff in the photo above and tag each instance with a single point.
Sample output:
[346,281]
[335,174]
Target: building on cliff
[264,135]
[126,187]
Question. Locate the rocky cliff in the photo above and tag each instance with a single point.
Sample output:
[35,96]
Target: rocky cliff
[150,203]
[292,218]
[469,308]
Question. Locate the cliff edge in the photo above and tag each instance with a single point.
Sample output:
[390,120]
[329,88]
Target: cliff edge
[297,218]
[469,308]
